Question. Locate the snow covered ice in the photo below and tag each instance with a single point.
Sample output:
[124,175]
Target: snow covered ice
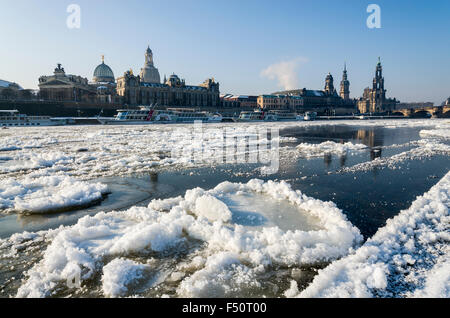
[228,250]
[45,194]
[234,239]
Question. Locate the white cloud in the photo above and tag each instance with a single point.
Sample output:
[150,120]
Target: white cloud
[285,72]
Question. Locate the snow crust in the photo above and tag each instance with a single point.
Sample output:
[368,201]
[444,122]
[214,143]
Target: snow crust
[43,194]
[328,147]
[119,274]
[232,256]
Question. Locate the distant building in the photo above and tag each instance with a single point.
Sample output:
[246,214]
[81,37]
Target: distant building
[105,84]
[374,100]
[63,87]
[229,101]
[447,102]
[279,101]
[326,101]
[235,101]
[146,89]
[9,90]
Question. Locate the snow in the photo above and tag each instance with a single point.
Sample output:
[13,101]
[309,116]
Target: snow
[440,133]
[211,208]
[119,274]
[328,147]
[125,150]
[409,257]
[231,257]
[44,194]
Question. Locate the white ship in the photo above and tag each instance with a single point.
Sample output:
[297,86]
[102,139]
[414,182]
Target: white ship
[148,115]
[12,118]
[271,115]
[257,116]
[284,115]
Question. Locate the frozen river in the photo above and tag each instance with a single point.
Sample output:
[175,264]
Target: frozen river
[130,211]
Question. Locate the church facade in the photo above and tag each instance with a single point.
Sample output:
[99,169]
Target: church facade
[327,100]
[374,99]
[147,89]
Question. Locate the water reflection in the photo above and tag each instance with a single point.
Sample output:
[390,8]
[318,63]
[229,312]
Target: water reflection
[373,140]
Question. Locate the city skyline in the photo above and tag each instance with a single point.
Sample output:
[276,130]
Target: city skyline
[250,48]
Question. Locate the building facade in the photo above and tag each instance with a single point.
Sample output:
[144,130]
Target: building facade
[72,88]
[326,101]
[279,101]
[64,87]
[146,89]
[374,99]
[234,101]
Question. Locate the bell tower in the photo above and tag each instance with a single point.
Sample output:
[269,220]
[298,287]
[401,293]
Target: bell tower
[345,85]
[329,85]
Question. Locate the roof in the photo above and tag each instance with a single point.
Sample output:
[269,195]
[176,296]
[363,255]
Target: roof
[103,71]
[5,84]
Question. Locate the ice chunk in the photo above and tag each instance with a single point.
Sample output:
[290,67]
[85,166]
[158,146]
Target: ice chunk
[328,147]
[119,274]
[43,194]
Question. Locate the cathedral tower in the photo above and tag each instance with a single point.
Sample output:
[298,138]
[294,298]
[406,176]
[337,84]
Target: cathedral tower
[345,85]
[378,91]
[329,85]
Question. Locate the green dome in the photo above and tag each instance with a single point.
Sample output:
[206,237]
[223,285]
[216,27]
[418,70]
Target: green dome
[103,73]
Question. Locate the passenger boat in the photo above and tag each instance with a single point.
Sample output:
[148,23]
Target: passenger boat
[247,116]
[284,115]
[146,115]
[190,115]
[12,118]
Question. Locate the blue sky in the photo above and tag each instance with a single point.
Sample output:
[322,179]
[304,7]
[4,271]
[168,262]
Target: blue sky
[234,41]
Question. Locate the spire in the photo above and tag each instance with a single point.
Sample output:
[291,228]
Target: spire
[103,59]
[345,66]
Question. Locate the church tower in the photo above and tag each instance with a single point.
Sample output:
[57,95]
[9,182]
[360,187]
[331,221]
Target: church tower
[149,73]
[378,91]
[329,85]
[345,85]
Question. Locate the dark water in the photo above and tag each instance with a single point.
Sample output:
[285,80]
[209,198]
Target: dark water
[368,198]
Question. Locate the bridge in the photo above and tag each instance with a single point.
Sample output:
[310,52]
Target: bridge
[434,111]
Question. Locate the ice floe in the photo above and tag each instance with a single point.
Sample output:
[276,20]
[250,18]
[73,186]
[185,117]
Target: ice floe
[328,147]
[440,133]
[226,263]
[409,257]
[49,193]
